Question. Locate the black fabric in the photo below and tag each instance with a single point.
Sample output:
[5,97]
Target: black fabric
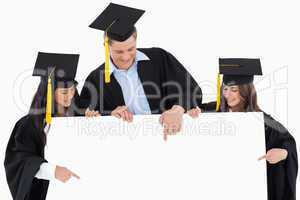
[118,21]
[238,71]
[162,68]
[23,157]
[65,66]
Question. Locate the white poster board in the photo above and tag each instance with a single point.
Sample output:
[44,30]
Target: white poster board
[213,157]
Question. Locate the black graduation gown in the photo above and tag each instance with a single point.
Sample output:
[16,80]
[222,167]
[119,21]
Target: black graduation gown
[282,176]
[160,69]
[23,157]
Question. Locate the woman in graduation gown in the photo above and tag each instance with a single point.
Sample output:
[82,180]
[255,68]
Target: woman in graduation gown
[238,94]
[27,171]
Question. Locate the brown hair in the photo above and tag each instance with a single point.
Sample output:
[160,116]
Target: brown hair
[248,97]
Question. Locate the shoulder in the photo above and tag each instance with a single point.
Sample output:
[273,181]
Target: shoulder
[153,52]
[95,73]
[271,123]
[25,124]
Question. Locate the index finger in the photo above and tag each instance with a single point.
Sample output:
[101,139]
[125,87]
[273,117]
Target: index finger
[262,157]
[75,175]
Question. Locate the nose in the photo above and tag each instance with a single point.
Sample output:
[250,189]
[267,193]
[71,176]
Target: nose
[125,57]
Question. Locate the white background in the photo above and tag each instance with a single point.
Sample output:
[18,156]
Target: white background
[196,32]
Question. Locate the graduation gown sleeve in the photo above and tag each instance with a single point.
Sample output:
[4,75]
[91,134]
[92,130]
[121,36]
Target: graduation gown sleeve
[24,155]
[181,88]
[281,176]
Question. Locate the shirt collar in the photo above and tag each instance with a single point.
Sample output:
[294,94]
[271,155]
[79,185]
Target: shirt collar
[140,56]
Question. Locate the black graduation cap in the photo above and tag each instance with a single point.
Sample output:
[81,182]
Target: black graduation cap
[118,21]
[61,67]
[58,68]
[238,71]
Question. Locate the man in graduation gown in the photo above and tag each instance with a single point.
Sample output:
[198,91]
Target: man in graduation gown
[138,80]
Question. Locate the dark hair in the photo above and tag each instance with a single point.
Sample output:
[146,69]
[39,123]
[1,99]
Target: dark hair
[248,97]
[37,109]
[134,33]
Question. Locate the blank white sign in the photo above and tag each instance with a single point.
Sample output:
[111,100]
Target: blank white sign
[213,157]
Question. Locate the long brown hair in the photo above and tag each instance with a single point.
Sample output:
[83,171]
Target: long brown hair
[248,97]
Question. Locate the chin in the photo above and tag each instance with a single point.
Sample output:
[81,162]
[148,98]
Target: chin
[67,105]
[232,105]
[125,66]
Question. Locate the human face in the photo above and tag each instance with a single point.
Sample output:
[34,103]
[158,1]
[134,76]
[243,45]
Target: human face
[64,96]
[123,53]
[232,96]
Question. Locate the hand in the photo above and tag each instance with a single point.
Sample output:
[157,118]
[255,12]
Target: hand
[194,113]
[63,174]
[122,112]
[91,113]
[171,120]
[275,155]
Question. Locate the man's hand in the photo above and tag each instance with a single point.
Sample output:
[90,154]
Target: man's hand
[194,113]
[171,120]
[122,112]
[275,155]
[91,113]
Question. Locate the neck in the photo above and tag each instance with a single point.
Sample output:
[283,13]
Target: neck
[237,108]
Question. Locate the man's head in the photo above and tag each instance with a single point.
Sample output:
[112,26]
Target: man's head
[123,53]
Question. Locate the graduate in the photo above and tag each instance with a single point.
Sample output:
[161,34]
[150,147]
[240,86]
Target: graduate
[238,94]
[137,80]
[27,171]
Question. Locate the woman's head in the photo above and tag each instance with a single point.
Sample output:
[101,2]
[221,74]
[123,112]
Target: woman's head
[239,98]
[62,98]
[64,93]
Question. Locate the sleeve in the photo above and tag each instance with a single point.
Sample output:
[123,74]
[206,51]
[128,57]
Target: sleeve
[22,160]
[46,171]
[208,107]
[180,86]
[286,141]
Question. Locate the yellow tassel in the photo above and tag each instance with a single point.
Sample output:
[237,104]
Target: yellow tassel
[49,102]
[106,68]
[218,92]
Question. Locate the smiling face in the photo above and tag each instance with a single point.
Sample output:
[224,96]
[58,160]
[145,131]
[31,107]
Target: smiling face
[64,96]
[232,96]
[123,53]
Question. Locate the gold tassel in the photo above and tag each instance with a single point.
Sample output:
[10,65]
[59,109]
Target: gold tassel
[218,92]
[106,68]
[49,102]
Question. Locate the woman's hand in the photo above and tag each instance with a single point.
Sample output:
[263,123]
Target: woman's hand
[122,112]
[91,113]
[275,155]
[194,113]
[63,174]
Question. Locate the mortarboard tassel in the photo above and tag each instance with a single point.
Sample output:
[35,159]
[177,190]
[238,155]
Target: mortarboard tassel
[49,99]
[49,102]
[218,92]
[106,68]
